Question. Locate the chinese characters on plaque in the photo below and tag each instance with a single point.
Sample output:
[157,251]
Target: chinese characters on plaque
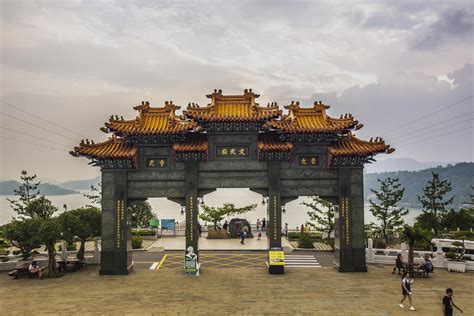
[157,163]
[309,161]
[232,151]
[345,219]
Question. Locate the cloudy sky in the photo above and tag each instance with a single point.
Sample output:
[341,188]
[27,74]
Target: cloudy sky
[403,68]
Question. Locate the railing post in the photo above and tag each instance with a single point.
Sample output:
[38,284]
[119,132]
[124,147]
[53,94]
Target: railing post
[370,250]
[64,250]
[404,250]
[438,260]
[96,251]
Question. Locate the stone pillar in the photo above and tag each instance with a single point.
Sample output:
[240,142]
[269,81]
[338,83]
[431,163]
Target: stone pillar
[350,238]
[115,256]
[192,234]
[274,205]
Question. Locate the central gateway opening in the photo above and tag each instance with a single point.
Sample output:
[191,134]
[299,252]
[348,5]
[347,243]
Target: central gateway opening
[233,142]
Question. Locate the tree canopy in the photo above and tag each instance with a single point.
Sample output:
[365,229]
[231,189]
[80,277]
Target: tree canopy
[216,214]
[384,208]
[434,203]
[321,216]
[141,214]
[26,192]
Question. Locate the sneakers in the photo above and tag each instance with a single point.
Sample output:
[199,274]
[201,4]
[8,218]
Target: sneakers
[412,308]
[401,305]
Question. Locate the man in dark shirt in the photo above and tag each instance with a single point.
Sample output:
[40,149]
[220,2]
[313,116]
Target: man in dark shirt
[448,303]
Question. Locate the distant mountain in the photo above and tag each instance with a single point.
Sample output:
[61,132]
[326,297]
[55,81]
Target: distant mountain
[8,187]
[81,184]
[401,164]
[461,176]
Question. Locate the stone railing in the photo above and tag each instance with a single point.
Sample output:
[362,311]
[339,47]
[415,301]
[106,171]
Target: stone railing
[388,256]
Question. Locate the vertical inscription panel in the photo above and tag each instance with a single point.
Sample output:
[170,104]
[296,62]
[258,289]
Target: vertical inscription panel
[345,218]
[120,224]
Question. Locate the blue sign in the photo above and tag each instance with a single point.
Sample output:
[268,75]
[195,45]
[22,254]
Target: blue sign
[168,224]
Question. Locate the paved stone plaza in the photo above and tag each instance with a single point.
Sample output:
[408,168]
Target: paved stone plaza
[231,291]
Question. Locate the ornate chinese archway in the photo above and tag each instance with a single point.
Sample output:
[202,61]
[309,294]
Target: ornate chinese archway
[233,142]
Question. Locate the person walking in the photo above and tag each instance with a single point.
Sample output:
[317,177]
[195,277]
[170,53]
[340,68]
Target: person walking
[302,228]
[243,233]
[406,290]
[259,232]
[286,229]
[264,224]
[448,303]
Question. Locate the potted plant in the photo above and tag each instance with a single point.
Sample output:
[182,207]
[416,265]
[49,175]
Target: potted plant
[455,257]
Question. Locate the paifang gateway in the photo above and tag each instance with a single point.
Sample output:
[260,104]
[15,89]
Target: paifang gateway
[233,142]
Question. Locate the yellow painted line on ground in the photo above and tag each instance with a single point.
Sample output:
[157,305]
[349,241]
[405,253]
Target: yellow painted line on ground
[161,262]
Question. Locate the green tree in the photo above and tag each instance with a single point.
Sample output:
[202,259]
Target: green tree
[40,208]
[216,214]
[23,234]
[462,219]
[141,214]
[49,232]
[321,216]
[434,203]
[27,192]
[385,209]
[81,224]
[94,196]
[412,235]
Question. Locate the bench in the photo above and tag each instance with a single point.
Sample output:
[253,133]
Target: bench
[22,271]
[419,271]
[70,264]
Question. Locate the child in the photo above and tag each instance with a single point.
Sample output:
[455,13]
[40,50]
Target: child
[406,290]
[259,231]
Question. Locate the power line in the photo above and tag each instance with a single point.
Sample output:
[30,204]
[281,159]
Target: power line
[431,114]
[431,125]
[430,131]
[39,117]
[22,141]
[43,139]
[43,128]
[444,134]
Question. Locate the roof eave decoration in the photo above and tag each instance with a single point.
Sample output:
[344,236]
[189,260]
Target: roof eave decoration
[114,152]
[150,120]
[350,145]
[312,120]
[232,108]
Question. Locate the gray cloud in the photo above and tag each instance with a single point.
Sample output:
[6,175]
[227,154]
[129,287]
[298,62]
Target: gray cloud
[453,26]
[77,62]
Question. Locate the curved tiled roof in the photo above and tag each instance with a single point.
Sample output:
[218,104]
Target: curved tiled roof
[150,120]
[349,145]
[232,108]
[270,142]
[113,148]
[312,120]
[194,143]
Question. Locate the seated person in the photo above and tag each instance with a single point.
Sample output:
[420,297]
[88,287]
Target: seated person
[34,268]
[399,264]
[427,266]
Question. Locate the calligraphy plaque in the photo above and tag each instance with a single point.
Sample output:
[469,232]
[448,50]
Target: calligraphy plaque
[309,161]
[233,151]
[156,163]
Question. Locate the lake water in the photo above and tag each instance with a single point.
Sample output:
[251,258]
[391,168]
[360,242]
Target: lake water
[295,212]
